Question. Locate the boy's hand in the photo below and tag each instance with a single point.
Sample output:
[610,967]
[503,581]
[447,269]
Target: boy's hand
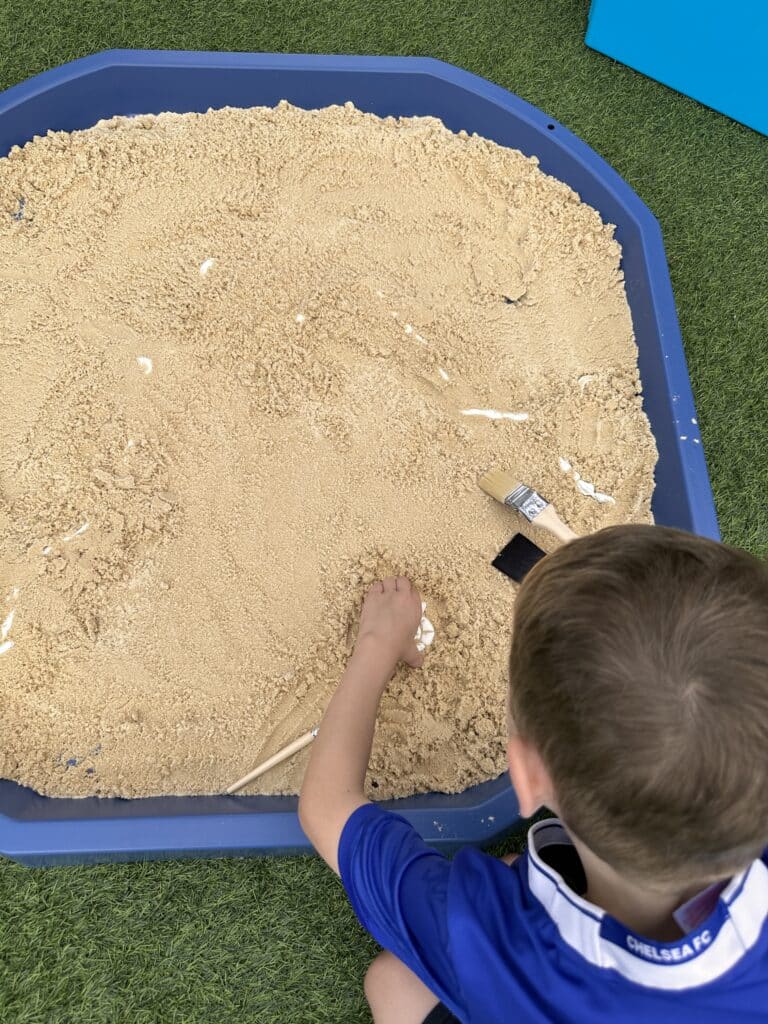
[334,781]
[389,620]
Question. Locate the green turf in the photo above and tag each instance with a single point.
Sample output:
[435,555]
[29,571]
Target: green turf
[262,942]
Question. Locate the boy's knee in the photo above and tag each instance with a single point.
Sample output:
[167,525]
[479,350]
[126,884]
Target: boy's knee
[376,978]
[394,993]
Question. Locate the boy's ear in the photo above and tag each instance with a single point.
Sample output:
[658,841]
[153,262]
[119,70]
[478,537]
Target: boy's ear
[530,777]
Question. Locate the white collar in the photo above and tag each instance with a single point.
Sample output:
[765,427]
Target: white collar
[699,957]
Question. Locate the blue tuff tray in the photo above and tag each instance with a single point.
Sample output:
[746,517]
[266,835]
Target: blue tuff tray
[37,830]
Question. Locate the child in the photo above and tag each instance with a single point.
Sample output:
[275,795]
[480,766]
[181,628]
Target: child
[639,714]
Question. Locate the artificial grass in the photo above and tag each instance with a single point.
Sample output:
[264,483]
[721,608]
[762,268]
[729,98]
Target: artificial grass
[179,942]
[267,941]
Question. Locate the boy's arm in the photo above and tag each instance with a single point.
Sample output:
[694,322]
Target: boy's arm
[334,780]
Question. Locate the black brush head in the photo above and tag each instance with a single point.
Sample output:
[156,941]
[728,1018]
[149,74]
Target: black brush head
[518,558]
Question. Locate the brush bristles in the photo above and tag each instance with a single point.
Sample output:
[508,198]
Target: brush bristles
[498,484]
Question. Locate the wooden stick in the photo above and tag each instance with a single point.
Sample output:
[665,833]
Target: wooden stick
[281,755]
[549,520]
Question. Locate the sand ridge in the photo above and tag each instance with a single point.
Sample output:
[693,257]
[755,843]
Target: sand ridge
[238,351]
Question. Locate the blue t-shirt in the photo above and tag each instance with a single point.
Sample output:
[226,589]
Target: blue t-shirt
[501,944]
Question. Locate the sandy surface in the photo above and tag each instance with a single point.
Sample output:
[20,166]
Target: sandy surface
[237,350]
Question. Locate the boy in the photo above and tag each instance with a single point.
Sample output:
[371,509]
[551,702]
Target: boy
[639,714]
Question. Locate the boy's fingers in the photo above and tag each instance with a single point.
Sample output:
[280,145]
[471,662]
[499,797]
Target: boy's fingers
[402,583]
[376,588]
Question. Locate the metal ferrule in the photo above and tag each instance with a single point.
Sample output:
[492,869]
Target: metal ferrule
[526,501]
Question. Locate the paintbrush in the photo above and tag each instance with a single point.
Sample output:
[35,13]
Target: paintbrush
[281,755]
[523,499]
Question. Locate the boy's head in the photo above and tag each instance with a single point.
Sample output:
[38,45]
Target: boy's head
[639,674]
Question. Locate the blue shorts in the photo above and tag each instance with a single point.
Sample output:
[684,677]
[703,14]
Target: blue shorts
[441,1015]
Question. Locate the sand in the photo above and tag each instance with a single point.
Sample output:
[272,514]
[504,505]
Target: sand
[238,351]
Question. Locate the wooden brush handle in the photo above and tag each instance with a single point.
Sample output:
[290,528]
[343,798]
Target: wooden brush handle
[281,755]
[549,520]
